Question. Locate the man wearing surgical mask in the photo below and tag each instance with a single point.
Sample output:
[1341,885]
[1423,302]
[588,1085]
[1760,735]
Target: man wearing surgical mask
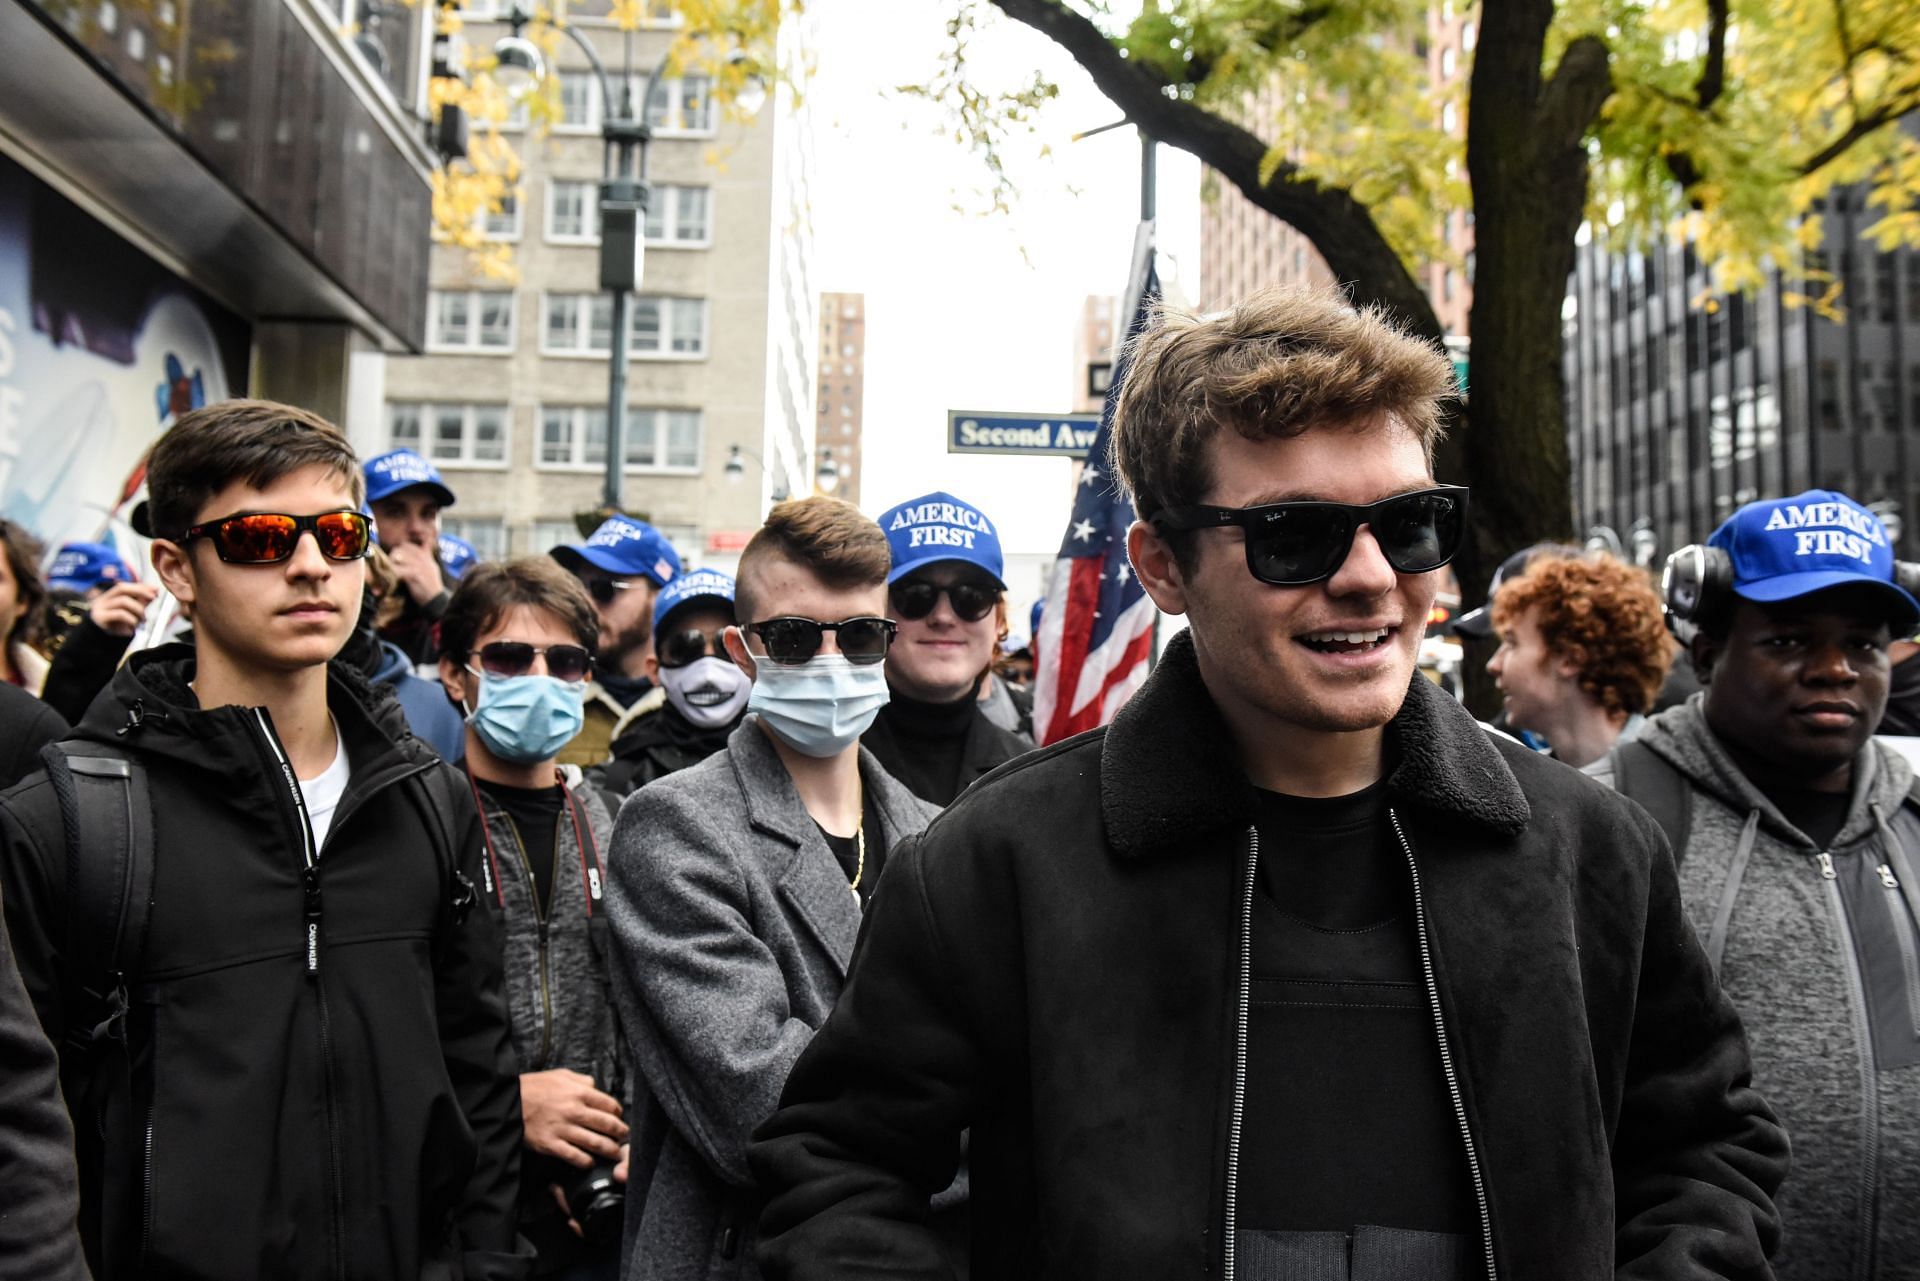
[736,886]
[516,651]
[705,690]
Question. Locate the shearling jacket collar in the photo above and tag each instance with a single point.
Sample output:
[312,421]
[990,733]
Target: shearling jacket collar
[1169,775]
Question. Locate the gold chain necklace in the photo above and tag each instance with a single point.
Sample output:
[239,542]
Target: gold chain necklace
[860,843]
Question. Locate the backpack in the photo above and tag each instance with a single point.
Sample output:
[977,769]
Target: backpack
[106,814]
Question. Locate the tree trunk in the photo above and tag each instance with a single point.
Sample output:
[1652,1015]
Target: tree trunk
[1527,161]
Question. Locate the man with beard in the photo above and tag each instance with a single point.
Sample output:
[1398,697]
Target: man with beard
[407,494]
[624,565]
[706,692]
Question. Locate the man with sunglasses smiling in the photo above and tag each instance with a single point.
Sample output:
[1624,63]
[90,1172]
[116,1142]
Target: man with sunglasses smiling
[706,692]
[624,565]
[1293,970]
[945,595]
[515,657]
[302,1069]
[736,885]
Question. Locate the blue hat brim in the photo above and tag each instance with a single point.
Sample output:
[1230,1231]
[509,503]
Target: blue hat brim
[899,572]
[661,616]
[1768,591]
[602,559]
[441,493]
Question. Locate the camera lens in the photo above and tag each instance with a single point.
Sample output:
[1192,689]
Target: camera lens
[597,1202]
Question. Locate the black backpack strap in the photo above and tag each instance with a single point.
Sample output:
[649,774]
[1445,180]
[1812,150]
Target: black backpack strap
[106,812]
[1644,776]
[458,896]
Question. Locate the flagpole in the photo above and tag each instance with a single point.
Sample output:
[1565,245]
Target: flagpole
[1149,176]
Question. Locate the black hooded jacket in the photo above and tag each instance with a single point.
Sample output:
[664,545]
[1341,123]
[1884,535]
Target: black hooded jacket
[359,1120]
[1060,962]
[659,743]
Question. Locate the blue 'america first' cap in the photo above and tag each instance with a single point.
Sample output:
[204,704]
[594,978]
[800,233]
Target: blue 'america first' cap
[939,527]
[693,587]
[81,567]
[399,469]
[1786,548]
[457,555]
[625,548]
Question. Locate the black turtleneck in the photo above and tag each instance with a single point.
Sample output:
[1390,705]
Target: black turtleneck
[923,745]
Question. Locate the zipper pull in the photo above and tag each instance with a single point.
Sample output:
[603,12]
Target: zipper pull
[1826,867]
[310,883]
[1886,877]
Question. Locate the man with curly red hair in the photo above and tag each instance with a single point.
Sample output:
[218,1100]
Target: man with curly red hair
[1583,651]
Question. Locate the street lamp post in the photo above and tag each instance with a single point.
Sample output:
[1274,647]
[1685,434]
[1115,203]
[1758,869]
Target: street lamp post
[826,476]
[624,198]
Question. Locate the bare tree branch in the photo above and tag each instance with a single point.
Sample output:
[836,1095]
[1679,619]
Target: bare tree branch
[1713,76]
[1860,128]
[1340,227]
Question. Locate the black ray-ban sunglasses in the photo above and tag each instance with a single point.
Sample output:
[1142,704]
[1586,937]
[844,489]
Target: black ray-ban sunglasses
[267,538]
[915,598]
[570,663]
[1293,544]
[791,641]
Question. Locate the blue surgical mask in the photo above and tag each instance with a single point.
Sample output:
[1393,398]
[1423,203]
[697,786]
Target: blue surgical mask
[527,718]
[820,707]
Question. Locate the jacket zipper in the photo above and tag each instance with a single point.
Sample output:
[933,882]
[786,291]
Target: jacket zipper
[1909,952]
[311,920]
[1869,1088]
[540,921]
[1229,1245]
[1446,1052]
[146,1191]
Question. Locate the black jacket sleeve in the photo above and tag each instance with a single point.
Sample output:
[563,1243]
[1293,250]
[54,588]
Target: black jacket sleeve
[469,986]
[26,725]
[39,1228]
[83,667]
[1698,1154]
[870,1123]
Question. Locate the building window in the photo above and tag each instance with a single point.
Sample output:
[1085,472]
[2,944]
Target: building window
[503,224]
[680,216]
[574,437]
[1099,378]
[683,106]
[579,102]
[470,320]
[582,325]
[573,211]
[545,535]
[1449,117]
[463,435]
[488,534]
[1469,34]
[1447,63]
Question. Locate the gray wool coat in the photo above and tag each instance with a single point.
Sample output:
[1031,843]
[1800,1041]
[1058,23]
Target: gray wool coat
[732,928]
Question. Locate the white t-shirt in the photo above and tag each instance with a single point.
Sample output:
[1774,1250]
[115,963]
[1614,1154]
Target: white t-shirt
[323,794]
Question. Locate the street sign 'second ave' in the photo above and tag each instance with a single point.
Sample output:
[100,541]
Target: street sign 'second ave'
[1054,435]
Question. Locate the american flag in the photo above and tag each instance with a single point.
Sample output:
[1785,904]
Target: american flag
[1096,633]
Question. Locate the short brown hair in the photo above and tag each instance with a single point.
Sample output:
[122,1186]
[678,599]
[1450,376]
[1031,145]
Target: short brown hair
[24,553]
[1600,614]
[830,537]
[1280,362]
[258,441]
[491,588]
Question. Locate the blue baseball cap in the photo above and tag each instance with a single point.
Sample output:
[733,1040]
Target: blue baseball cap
[691,587]
[1786,548]
[399,469]
[939,527]
[81,567]
[457,555]
[624,547]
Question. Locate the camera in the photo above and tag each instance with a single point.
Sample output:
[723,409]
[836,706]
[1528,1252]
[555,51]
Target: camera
[596,1200]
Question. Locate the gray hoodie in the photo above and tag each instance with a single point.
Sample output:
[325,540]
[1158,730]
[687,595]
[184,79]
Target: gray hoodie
[1817,949]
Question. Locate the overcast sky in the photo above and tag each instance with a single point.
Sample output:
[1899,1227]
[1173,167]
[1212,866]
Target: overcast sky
[957,318]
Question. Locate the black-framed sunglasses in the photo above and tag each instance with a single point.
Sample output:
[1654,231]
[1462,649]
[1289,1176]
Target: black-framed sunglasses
[689,645]
[568,663]
[267,538]
[915,598]
[1293,544]
[791,641]
[603,590]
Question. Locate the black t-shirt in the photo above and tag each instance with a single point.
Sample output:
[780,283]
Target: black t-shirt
[846,849]
[535,815]
[1348,1120]
[1820,815]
